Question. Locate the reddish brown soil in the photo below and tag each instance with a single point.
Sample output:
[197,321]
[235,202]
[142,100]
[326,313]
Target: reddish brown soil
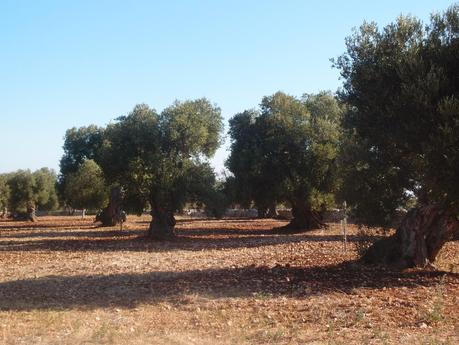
[65,281]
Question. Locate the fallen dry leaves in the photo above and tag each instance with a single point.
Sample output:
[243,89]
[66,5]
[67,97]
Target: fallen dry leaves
[65,281]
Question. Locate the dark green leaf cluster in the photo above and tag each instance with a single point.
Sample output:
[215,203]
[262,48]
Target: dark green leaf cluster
[80,144]
[23,188]
[4,192]
[402,87]
[86,187]
[287,151]
[160,160]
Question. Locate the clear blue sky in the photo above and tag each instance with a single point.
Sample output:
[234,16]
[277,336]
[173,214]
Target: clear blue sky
[73,63]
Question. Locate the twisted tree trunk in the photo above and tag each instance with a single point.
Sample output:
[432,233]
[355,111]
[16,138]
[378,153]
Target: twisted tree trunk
[304,218]
[31,213]
[272,211]
[112,214]
[267,211]
[418,240]
[162,224]
[261,212]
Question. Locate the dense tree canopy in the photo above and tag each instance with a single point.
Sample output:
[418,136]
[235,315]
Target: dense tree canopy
[80,144]
[401,84]
[86,188]
[249,169]
[4,193]
[45,189]
[158,160]
[24,190]
[288,152]
[22,186]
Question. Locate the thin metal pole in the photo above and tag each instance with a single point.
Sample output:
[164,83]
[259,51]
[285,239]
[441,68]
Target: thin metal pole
[344,225]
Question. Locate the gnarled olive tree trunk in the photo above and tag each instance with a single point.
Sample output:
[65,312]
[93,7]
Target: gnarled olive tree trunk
[31,213]
[418,240]
[304,218]
[267,211]
[162,224]
[113,213]
[262,212]
[272,211]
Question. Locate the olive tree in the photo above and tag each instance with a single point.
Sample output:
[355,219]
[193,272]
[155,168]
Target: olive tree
[45,193]
[29,191]
[4,195]
[86,188]
[288,152]
[249,183]
[160,159]
[21,184]
[81,145]
[402,126]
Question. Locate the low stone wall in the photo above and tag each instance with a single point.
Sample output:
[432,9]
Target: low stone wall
[241,213]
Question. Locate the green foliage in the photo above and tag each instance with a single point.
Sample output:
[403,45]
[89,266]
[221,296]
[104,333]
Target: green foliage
[191,128]
[80,144]
[45,194]
[250,181]
[286,152]
[158,159]
[402,123]
[36,189]
[4,192]
[86,188]
[22,185]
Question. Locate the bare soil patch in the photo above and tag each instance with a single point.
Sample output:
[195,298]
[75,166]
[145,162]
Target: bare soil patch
[65,281]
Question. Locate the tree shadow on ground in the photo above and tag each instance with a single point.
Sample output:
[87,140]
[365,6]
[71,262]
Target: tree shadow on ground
[130,290]
[196,239]
[29,226]
[72,233]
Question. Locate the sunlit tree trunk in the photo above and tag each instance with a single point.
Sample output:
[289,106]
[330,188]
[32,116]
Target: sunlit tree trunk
[418,240]
[31,213]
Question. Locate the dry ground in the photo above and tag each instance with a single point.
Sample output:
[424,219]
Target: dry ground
[64,281]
